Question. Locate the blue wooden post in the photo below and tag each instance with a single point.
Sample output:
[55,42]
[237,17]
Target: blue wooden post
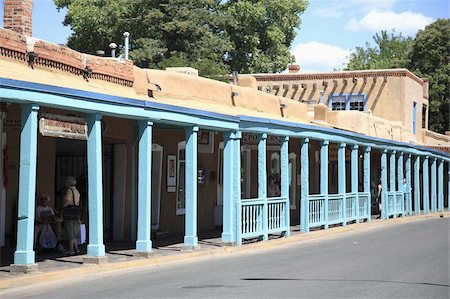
[433,185]
[24,254]
[416,185]
[304,205]
[392,181]
[408,184]
[441,185]
[237,220]
[426,184]
[400,180]
[96,248]
[262,181]
[324,177]
[384,188]
[367,181]
[229,173]
[190,237]
[341,181]
[284,160]
[354,176]
[144,243]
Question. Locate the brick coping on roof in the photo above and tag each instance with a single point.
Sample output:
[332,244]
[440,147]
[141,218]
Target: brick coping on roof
[16,46]
[338,75]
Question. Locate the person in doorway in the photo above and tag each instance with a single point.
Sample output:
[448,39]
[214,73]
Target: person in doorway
[278,182]
[379,198]
[47,215]
[273,189]
[71,222]
[405,192]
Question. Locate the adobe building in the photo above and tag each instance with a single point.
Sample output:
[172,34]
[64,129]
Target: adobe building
[167,152]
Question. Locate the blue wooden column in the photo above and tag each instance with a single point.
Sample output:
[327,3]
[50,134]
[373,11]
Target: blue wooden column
[441,185]
[96,248]
[24,254]
[392,180]
[354,176]
[384,185]
[426,186]
[324,176]
[400,180]
[237,219]
[408,184]
[367,180]
[230,172]
[284,161]
[341,181]
[144,243]
[416,185]
[190,237]
[304,194]
[262,179]
[433,185]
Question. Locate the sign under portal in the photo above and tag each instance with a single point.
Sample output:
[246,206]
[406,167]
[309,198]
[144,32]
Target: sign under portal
[63,126]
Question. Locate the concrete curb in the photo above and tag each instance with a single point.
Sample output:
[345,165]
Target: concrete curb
[40,277]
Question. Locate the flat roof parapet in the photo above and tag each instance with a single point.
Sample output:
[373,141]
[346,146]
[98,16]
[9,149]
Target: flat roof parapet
[17,46]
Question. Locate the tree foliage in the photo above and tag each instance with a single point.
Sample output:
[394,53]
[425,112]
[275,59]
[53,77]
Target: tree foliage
[430,59]
[262,32]
[427,56]
[211,35]
[390,51]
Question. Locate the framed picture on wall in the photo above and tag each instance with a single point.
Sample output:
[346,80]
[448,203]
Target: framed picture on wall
[171,173]
[205,142]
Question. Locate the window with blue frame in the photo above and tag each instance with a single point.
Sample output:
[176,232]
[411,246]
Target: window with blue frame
[338,102]
[347,102]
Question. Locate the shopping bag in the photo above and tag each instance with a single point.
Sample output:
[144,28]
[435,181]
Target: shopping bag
[47,238]
[81,237]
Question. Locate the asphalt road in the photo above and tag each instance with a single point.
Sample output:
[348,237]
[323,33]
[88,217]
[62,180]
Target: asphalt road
[402,260]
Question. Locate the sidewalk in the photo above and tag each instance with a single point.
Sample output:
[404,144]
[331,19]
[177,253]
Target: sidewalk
[54,267]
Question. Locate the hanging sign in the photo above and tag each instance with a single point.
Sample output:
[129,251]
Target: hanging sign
[63,126]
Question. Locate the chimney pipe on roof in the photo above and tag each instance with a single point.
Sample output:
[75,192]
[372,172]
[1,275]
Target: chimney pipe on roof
[127,36]
[294,68]
[17,16]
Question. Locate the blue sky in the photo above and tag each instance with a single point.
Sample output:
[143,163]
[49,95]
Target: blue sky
[329,30]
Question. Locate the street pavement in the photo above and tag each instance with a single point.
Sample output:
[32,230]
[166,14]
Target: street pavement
[405,260]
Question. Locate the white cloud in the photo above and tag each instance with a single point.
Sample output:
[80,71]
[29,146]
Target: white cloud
[336,9]
[405,22]
[319,57]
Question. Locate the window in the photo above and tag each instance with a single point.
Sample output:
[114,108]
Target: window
[181,181]
[414,118]
[356,102]
[245,173]
[347,102]
[424,116]
[338,102]
[292,180]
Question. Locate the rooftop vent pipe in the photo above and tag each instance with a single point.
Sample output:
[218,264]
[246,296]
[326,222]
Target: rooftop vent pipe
[127,38]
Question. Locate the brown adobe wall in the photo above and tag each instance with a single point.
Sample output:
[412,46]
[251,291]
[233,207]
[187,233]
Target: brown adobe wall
[14,46]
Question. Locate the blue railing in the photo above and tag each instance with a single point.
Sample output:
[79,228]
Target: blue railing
[260,217]
[395,203]
[337,208]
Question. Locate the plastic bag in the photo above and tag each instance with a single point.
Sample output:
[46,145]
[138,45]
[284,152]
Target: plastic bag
[81,237]
[47,238]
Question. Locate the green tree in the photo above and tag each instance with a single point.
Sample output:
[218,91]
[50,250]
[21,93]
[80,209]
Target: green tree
[176,32]
[390,51]
[212,35]
[262,32]
[430,59]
